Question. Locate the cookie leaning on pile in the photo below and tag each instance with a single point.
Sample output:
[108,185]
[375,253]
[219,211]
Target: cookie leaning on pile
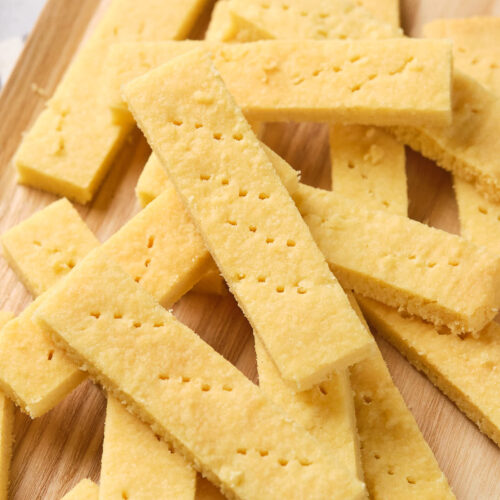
[275,241]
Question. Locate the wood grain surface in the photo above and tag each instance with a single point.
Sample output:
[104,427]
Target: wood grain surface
[53,453]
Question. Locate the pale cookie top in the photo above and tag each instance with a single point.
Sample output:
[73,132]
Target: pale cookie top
[136,464]
[476,46]
[313,19]
[386,11]
[397,461]
[71,144]
[56,236]
[469,147]
[161,249]
[439,276]
[326,410]
[191,395]
[84,490]
[248,220]
[369,166]
[464,368]
[384,82]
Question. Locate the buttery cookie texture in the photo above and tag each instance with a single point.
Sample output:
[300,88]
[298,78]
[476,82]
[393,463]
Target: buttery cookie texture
[84,490]
[438,276]
[73,142]
[188,393]
[248,221]
[6,428]
[135,464]
[376,82]
[369,166]
[309,19]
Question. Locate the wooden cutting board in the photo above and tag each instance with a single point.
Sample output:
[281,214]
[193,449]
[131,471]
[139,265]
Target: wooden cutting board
[53,453]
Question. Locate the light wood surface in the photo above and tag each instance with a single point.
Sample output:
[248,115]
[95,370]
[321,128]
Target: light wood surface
[53,453]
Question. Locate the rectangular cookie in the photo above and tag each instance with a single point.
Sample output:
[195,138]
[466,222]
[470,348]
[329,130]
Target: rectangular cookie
[73,142]
[136,464]
[326,410]
[41,250]
[369,166]
[84,490]
[311,19]
[248,220]
[424,271]
[373,82]
[166,261]
[188,393]
[397,461]
[55,237]
[468,147]
[476,41]
[464,368]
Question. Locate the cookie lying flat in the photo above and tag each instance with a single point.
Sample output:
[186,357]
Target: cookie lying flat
[84,490]
[376,82]
[306,19]
[73,142]
[475,53]
[188,393]
[476,46]
[136,464]
[424,271]
[248,220]
[41,250]
[158,247]
[468,147]
[397,461]
[326,410]
[463,368]
[6,428]
[369,166]
[55,237]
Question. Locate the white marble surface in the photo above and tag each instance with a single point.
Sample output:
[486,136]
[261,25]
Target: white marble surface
[17,18]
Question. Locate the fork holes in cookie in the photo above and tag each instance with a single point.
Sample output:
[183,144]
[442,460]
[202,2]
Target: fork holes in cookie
[280,289]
